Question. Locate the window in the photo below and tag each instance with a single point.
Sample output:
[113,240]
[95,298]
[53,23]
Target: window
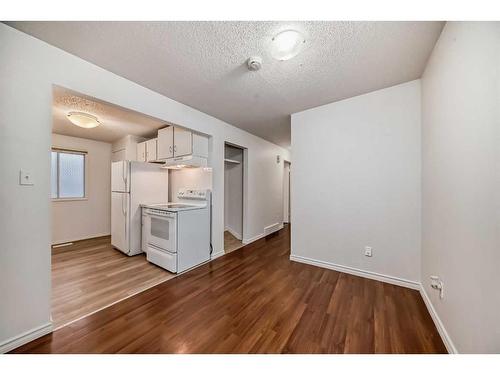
[68,174]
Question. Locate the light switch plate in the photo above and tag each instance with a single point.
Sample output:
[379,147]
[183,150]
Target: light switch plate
[368,251]
[25,178]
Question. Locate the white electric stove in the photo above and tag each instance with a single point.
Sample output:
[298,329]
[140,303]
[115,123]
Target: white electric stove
[176,235]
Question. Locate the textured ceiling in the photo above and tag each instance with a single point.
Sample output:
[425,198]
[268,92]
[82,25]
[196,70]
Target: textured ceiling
[202,64]
[116,122]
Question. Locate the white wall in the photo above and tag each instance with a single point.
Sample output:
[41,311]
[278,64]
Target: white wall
[191,178]
[461,183]
[356,182]
[80,219]
[28,70]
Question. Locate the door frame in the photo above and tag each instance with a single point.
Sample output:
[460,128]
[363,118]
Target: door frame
[244,230]
[289,214]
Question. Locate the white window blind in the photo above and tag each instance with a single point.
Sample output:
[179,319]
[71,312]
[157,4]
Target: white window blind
[68,174]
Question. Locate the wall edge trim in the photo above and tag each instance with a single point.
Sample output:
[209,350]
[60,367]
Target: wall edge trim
[450,346]
[25,337]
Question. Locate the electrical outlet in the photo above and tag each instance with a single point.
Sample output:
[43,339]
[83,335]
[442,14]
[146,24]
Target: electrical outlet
[434,281]
[438,284]
[368,251]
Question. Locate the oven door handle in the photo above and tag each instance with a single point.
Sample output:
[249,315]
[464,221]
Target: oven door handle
[159,216]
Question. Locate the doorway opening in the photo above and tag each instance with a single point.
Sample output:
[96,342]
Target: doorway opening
[286,193]
[96,214]
[234,173]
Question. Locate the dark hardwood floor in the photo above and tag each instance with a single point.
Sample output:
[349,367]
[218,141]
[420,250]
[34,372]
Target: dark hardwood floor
[255,300]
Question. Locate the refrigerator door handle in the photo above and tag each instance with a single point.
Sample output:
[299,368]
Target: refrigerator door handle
[124,211]
[124,174]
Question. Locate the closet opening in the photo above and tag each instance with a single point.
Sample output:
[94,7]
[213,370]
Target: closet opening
[234,193]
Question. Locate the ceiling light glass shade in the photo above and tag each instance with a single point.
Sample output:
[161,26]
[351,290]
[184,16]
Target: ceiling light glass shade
[287,44]
[83,120]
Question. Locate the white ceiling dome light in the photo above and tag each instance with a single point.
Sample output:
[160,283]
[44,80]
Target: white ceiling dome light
[287,44]
[83,120]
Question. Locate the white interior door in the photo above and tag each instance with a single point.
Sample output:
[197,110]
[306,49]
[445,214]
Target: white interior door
[119,221]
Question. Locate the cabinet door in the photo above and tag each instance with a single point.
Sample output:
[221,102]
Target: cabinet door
[183,142]
[151,150]
[165,145]
[141,151]
[200,145]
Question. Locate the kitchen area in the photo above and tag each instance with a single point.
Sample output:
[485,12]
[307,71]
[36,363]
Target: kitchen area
[171,226]
[153,183]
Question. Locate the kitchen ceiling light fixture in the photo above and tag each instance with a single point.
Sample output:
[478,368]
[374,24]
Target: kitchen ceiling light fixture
[287,44]
[83,120]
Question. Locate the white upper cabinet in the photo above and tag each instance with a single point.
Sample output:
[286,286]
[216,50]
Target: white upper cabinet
[126,148]
[200,145]
[183,142]
[141,151]
[147,151]
[166,143]
[151,150]
[175,142]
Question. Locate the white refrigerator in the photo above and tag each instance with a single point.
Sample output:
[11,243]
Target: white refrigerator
[132,184]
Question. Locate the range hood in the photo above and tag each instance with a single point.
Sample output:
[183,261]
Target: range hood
[189,161]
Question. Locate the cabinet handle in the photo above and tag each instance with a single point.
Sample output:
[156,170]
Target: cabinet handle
[170,148]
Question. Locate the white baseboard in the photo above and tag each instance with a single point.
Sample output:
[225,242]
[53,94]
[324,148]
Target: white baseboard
[97,235]
[217,255]
[234,233]
[450,346]
[253,239]
[267,231]
[25,337]
[438,323]
[273,228]
[358,272]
